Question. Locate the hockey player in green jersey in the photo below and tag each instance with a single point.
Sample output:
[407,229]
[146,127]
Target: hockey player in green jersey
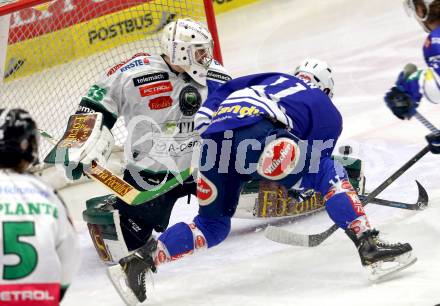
[39,249]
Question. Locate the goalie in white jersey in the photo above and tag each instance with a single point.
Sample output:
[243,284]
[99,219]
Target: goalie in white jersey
[38,246]
[158,97]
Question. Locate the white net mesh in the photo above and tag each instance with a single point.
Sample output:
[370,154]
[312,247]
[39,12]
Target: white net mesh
[57,50]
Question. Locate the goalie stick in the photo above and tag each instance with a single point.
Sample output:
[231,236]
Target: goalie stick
[121,188]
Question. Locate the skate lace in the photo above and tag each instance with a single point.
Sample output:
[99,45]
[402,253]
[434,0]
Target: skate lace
[382,242]
[143,281]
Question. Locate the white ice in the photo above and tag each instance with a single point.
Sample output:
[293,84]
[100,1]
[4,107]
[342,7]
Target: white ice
[367,42]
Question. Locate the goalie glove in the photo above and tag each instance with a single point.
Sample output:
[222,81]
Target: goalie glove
[400,103]
[86,139]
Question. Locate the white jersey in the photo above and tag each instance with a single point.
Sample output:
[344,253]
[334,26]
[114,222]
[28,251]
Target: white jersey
[38,247]
[158,106]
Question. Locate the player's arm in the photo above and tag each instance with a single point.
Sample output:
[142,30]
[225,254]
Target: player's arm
[412,85]
[102,97]
[222,92]
[67,246]
[428,80]
[422,83]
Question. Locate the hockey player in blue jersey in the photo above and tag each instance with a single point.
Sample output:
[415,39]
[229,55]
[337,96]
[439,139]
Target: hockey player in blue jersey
[410,88]
[269,126]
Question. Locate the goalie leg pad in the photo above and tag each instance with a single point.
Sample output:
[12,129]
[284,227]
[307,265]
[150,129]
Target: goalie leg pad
[104,225]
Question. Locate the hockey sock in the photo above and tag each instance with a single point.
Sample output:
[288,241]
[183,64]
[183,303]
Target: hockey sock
[178,241]
[183,239]
[345,209]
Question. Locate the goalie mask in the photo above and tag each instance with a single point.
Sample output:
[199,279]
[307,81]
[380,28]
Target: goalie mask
[318,73]
[189,45]
[411,10]
[18,138]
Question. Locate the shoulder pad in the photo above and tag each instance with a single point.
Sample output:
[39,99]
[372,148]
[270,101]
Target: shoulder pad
[217,72]
[116,67]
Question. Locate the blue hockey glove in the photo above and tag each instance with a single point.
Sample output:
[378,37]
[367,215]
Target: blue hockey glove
[400,103]
[434,142]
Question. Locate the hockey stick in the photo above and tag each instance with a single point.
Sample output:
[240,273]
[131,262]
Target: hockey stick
[422,200]
[425,121]
[283,236]
[121,188]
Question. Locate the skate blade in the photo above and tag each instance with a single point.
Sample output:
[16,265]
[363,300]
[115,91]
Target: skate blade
[118,279]
[384,269]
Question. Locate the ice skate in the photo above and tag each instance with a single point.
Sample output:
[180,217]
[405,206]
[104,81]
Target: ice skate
[129,276]
[381,259]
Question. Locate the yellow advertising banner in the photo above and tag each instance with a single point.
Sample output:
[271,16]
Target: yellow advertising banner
[95,35]
[80,33]
[221,6]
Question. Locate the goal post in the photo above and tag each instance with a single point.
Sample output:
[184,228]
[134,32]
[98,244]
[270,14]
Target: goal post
[55,50]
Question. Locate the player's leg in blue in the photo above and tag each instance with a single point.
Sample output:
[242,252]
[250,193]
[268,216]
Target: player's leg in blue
[345,209]
[218,190]
[341,200]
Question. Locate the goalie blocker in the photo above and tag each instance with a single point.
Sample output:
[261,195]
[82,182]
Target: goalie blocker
[258,200]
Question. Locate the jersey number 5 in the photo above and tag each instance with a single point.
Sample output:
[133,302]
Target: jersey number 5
[27,254]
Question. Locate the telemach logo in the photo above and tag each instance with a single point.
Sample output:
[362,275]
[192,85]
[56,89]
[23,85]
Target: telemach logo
[218,76]
[150,78]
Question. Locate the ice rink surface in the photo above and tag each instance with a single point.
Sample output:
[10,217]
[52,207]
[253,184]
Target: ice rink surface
[367,42]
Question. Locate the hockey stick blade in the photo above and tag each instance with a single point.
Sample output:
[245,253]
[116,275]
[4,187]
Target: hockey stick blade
[281,235]
[287,237]
[422,201]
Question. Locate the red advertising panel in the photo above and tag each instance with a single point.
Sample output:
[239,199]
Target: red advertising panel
[31,22]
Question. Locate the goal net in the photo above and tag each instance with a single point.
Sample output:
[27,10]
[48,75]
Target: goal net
[51,52]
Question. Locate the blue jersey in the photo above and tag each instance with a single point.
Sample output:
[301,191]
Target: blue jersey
[431,50]
[304,108]
[426,82]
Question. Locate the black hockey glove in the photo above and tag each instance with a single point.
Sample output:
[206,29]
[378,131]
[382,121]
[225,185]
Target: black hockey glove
[400,103]
[434,142]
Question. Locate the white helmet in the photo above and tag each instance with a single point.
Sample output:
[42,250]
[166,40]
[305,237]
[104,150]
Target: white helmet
[410,9]
[188,44]
[318,73]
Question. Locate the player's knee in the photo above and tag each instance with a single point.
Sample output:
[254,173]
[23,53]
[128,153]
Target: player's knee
[215,230]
